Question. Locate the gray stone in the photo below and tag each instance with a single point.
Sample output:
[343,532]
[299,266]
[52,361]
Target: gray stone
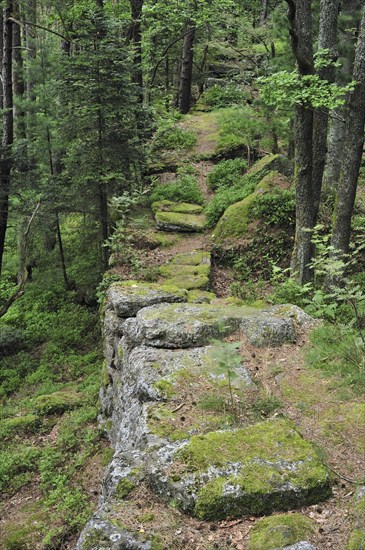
[102,535]
[127,298]
[302,545]
[191,325]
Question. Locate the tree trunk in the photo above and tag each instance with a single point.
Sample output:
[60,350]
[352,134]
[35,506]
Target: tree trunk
[350,17]
[18,77]
[8,132]
[136,37]
[300,19]
[1,58]
[327,40]
[354,143]
[186,73]
[264,12]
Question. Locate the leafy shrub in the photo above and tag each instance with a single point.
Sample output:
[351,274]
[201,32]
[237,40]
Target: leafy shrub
[11,340]
[184,189]
[226,196]
[171,137]
[275,208]
[223,96]
[226,173]
[14,463]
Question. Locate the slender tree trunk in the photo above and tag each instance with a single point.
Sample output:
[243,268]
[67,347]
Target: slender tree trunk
[186,73]
[136,37]
[327,40]
[264,12]
[350,17]
[18,77]
[300,19]
[8,123]
[1,58]
[354,144]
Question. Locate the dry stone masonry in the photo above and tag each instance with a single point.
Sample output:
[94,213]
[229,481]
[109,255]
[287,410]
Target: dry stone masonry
[160,348]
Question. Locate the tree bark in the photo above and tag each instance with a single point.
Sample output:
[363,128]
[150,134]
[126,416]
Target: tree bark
[186,73]
[300,19]
[264,12]
[18,77]
[136,38]
[354,143]
[8,123]
[327,40]
[350,18]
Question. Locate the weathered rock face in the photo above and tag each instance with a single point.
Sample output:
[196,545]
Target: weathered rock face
[165,357]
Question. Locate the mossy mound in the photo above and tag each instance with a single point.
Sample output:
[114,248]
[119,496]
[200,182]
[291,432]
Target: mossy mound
[189,325]
[128,297]
[184,223]
[19,425]
[200,297]
[264,468]
[236,219]
[57,402]
[279,531]
[347,421]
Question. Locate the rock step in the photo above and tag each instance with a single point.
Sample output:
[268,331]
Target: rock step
[179,217]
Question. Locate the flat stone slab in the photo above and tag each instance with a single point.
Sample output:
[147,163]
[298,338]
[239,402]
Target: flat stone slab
[257,470]
[190,325]
[190,270]
[128,297]
[178,207]
[180,222]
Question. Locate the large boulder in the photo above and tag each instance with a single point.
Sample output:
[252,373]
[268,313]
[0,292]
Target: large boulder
[190,325]
[257,470]
[128,297]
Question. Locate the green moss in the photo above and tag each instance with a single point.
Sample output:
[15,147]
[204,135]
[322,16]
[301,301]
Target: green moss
[235,220]
[161,422]
[184,222]
[279,531]
[19,425]
[348,420]
[165,387]
[276,470]
[200,296]
[107,456]
[356,540]
[124,488]
[193,258]
[187,276]
[177,207]
[57,402]
[104,375]
[96,538]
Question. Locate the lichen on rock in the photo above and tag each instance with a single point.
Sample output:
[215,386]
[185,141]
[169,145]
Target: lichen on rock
[280,531]
[256,470]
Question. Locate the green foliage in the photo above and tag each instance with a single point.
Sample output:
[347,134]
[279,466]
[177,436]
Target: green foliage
[226,173]
[277,208]
[226,196]
[170,137]
[337,351]
[184,189]
[224,95]
[289,88]
[16,464]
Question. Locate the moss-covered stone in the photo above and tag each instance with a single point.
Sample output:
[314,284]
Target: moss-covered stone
[257,470]
[165,388]
[193,258]
[186,223]
[124,488]
[200,297]
[57,402]
[279,531]
[128,297]
[236,219]
[187,325]
[187,276]
[178,207]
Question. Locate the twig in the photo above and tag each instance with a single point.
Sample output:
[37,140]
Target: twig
[178,408]
[341,476]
